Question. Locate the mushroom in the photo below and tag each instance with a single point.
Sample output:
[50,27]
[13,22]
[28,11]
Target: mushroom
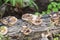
[36,20]
[10,20]
[46,35]
[54,18]
[4,21]
[59,14]
[25,30]
[27,17]
[3,30]
[59,18]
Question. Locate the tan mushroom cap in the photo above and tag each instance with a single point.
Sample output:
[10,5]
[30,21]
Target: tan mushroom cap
[36,20]
[55,19]
[46,35]
[26,31]
[10,20]
[4,21]
[13,20]
[55,16]
[27,17]
[58,23]
[3,30]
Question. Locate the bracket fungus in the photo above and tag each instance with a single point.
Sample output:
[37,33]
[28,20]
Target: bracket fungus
[3,30]
[10,20]
[36,20]
[55,18]
[25,30]
[27,17]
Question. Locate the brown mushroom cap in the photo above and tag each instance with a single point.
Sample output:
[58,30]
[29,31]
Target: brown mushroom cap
[4,21]
[3,30]
[10,20]
[54,16]
[26,31]
[36,20]
[27,17]
[46,35]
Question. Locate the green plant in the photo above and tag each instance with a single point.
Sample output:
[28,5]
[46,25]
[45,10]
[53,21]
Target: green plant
[23,3]
[0,2]
[57,0]
[53,7]
[48,11]
[43,12]
[58,5]
[2,37]
[56,36]
[37,13]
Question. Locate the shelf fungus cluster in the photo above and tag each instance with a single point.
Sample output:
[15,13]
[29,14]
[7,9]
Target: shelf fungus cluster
[10,20]
[36,20]
[55,19]
[25,30]
[3,30]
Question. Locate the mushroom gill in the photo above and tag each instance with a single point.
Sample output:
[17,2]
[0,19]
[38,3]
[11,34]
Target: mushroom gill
[10,20]
[36,20]
[26,31]
[27,17]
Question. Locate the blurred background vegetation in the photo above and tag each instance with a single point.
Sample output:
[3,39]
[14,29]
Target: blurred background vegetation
[24,6]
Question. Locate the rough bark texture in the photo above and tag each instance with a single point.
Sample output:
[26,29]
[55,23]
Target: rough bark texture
[15,31]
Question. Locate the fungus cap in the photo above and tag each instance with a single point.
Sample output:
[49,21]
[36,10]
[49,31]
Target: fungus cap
[3,30]
[10,20]
[25,30]
[27,17]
